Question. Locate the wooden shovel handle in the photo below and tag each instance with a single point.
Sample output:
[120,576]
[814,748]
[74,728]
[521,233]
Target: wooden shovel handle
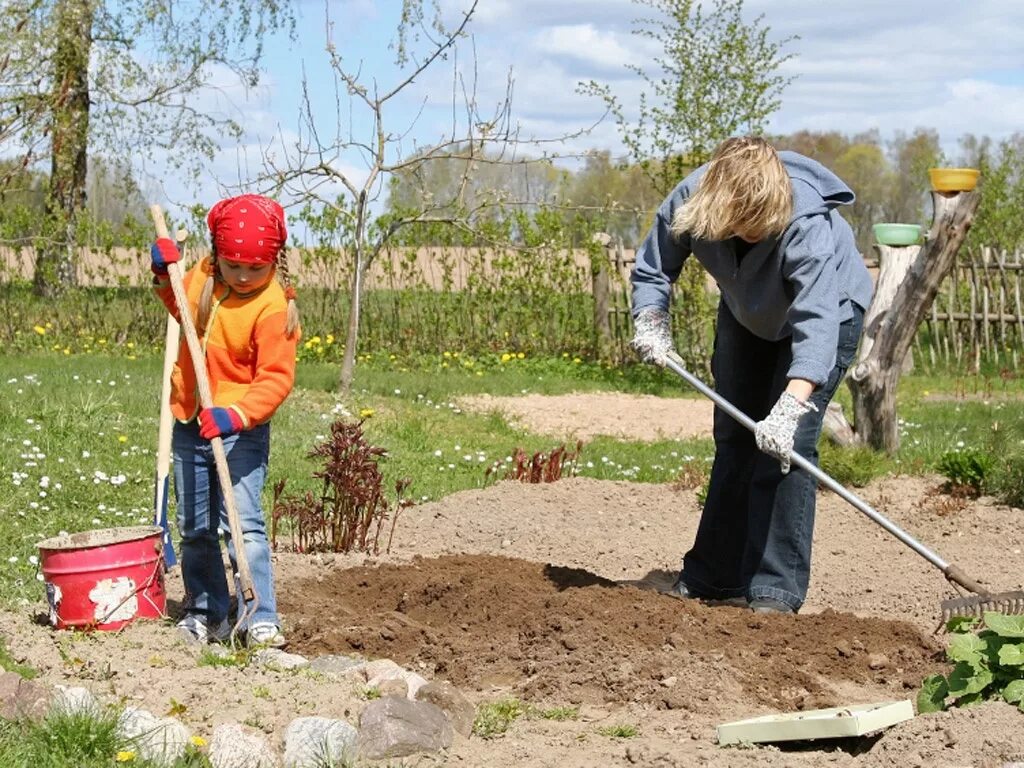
[206,401]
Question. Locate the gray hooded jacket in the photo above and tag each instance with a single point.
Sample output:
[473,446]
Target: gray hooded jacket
[798,285]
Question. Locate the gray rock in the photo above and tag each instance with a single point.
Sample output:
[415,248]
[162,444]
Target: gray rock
[275,658]
[312,742]
[233,746]
[394,686]
[394,727]
[74,700]
[335,667]
[452,702]
[159,739]
[21,698]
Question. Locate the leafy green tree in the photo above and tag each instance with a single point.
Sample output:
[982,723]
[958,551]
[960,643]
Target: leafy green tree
[717,75]
[912,156]
[1000,219]
[865,168]
[116,77]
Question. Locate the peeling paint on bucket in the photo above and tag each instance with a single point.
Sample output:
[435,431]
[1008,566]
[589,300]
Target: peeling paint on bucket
[104,579]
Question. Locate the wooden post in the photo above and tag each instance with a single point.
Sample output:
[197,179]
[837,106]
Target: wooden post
[874,378]
[601,289]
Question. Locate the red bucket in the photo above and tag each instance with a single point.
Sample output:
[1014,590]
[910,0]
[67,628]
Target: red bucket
[104,579]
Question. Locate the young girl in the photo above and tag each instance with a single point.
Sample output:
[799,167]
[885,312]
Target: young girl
[248,325]
[794,288]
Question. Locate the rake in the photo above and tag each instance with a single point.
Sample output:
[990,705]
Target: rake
[248,600]
[976,604]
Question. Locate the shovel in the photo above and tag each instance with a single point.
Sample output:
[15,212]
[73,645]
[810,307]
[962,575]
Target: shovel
[248,595]
[973,605]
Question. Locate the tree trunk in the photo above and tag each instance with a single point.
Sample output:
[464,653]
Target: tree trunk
[69,135]
[348,360]
[902,304]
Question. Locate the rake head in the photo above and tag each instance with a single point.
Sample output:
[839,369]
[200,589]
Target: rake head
[1009,603]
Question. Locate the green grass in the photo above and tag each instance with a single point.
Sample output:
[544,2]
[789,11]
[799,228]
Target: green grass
[78,434]
[80,739]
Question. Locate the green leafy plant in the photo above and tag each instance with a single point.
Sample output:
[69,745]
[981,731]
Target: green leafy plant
[988,659]
[966,469]
[856,466]
[351,509]
[624,731]
[494,719]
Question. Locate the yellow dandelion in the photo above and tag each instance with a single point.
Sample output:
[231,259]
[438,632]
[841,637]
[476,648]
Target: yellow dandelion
[506,357]
[122,438]
[125,756]
[39,329]
[479,373]
[577,360]
[446,354]
[101,341]
[197,741]
[330,338]
[520,355]
[365,413]
[130,345]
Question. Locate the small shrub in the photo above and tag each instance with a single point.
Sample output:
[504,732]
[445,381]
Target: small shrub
[350,512]
[1007,479]
[694,474]
[966,468]
[988,661]
[540,467]
[494,719]
[851,466]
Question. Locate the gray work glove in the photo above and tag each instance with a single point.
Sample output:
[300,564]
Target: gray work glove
[652,338]
[775,433]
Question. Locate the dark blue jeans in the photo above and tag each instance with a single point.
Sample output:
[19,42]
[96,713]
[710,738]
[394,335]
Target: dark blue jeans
[754,536]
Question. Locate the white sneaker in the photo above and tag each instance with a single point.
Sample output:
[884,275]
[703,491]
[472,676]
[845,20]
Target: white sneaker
[265,634]
[193,629]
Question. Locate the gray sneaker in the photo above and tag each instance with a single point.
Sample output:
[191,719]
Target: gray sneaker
[194,629]
[265,634]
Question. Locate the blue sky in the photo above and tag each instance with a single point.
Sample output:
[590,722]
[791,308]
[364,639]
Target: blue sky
[893,66]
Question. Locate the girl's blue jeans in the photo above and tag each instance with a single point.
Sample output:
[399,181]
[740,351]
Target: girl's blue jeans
[202,517]
[754,536]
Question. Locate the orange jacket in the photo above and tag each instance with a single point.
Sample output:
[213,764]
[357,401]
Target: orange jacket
[249,359]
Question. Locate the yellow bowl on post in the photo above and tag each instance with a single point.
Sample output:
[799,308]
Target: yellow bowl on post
[897,234]
[953,179]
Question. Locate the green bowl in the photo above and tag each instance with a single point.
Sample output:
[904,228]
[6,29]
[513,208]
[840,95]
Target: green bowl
[897,234]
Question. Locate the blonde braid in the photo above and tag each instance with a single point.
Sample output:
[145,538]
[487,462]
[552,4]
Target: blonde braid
[292,320]
[206,297]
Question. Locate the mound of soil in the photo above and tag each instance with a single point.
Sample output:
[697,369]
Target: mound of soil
[557,634]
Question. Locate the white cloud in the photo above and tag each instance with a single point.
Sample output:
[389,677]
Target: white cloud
[956,68]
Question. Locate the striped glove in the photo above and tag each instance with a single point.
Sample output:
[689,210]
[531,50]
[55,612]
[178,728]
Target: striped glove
[775,434]
[219,422]
[162,253]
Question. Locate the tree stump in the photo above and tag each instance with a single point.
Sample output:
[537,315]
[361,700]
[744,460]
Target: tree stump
[907,285]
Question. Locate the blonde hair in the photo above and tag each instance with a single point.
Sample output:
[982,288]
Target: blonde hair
[291,324]
[745,189]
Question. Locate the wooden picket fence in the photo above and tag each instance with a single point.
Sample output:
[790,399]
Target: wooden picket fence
[978,312]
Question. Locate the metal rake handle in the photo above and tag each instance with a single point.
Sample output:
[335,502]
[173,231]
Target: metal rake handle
[674,363]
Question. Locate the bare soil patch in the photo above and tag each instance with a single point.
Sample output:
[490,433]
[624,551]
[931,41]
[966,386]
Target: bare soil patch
[531,591]
[585,415]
